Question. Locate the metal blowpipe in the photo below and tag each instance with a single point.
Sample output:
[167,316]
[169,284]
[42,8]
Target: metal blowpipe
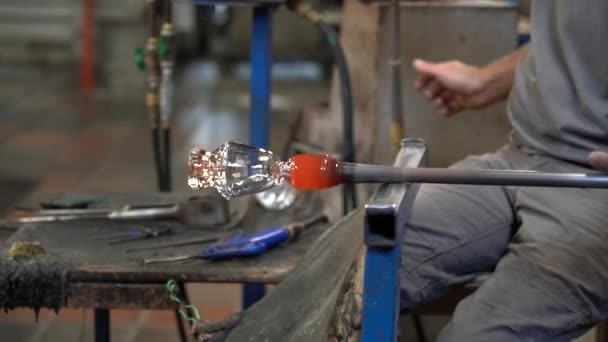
[364,173]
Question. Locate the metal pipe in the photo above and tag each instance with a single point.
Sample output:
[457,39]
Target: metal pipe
[166,56]
[153,84]
[102,325]
[365,173]
[394,72]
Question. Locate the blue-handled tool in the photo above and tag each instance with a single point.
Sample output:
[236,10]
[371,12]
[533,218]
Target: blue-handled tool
[248,245]
[241,245]
[137,234]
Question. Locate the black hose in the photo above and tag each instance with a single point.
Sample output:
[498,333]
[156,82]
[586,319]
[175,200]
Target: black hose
[158,159]
[167,159]
[346,96]
[161,146]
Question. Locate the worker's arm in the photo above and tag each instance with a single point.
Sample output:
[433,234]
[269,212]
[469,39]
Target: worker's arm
[454,86]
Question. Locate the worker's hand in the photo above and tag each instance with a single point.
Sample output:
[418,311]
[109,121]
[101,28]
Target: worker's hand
[599,160]
[452,86]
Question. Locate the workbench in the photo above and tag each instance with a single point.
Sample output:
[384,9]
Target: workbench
[101,275]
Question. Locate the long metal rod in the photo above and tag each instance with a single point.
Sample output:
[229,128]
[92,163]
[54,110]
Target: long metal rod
[365,173]
[394,71]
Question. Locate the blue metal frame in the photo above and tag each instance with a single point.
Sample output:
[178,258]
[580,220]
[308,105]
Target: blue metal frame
[385,218]
[259,116]
[260,86]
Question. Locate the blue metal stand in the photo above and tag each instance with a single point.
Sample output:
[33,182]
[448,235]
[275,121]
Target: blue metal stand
[259,117]
[385,218]
[260,86]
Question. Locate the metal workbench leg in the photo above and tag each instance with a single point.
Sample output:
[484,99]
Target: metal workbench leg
[102,325]
[259,117]
[385,219]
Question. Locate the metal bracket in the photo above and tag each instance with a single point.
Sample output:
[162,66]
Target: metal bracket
[385,218]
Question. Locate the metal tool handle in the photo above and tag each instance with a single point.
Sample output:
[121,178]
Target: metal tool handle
[316,219]
[143,214]
[92,211]
[365,173]
[75,212]
[201,240]
[169,259]
[55,218]
[295,229]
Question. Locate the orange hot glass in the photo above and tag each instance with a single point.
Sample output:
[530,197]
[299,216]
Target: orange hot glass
[313,172]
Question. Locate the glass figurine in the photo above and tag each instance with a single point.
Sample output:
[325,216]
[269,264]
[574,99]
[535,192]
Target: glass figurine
[235,170]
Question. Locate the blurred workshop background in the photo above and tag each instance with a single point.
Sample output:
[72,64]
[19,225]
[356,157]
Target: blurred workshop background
[73,113]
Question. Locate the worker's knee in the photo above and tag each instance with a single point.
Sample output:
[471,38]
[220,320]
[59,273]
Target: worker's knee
[521,302]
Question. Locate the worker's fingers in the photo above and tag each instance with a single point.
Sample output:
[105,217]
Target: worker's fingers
[441,98]
[446,95]
[422,81]
[432,90]
[439,102]
[426,68]
[444,111]
[599,160]
[454,106]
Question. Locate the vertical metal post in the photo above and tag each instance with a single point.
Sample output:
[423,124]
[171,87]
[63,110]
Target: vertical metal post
[102,325]
[385,218]
[394,72]
[260,86]
[260,92]
[87,59]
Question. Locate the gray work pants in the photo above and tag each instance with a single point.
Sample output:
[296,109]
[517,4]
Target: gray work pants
[546,250]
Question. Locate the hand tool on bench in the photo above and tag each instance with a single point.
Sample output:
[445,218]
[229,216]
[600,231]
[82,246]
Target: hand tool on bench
[248,245]
[30,212]
[194,213]
[185,242]
[137,234]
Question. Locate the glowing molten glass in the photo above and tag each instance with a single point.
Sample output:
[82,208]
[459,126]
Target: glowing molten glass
[312,172]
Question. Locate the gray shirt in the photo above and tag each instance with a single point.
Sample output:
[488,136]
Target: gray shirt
[559,102]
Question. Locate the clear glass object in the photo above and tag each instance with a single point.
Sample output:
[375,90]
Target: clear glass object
[278,198]
[235,169]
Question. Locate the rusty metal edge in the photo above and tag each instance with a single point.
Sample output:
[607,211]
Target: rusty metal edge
[109,275]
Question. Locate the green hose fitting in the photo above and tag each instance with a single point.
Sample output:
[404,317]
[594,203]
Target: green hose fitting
[163,47]
[140,61]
